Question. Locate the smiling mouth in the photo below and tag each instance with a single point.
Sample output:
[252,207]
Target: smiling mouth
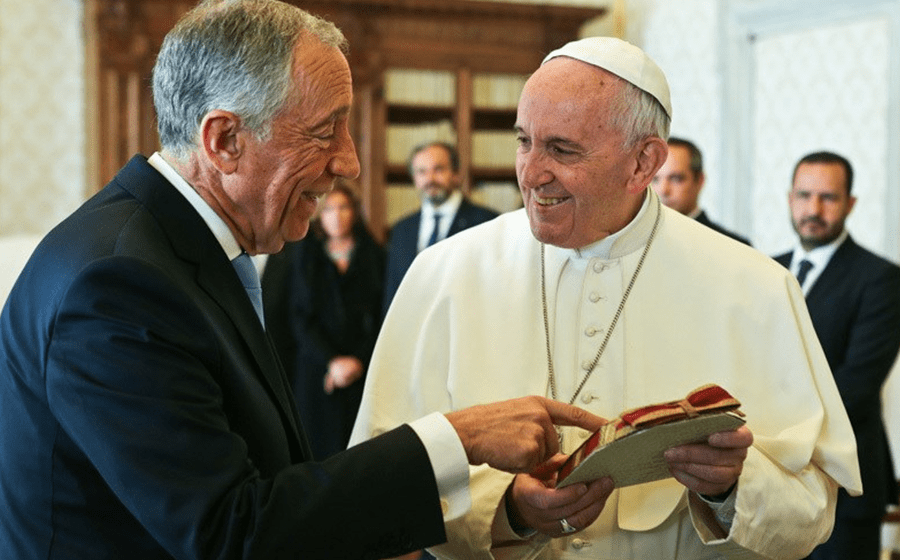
[552,201]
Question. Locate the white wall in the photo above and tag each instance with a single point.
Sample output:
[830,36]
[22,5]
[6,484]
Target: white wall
[42,129]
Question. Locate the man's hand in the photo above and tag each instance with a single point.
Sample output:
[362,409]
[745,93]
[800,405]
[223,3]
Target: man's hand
[517,435]
[533,502]
[711,468]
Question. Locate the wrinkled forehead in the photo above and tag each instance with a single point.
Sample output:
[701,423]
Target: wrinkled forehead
[573,77]
[564,82]
[568,99]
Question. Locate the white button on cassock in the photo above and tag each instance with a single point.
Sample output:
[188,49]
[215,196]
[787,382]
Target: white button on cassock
[578,544]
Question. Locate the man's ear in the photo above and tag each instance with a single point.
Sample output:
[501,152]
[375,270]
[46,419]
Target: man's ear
[221,142]
[649,157]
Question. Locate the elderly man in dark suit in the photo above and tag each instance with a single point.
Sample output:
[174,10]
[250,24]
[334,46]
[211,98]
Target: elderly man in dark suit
[144,412]
[853,297]
[434,168]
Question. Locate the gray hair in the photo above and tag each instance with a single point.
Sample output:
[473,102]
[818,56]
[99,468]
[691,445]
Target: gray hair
[232,55]
[638,114]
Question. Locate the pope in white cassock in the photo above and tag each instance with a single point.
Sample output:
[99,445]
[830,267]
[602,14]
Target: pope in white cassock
[595,293]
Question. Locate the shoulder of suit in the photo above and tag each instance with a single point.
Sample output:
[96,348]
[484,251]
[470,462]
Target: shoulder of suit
[703,218]
[468,205]
[406,223]
[784,258]
[870,259]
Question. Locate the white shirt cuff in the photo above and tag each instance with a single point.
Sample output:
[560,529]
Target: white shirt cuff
[449,462]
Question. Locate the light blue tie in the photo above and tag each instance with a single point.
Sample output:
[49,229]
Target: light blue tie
[246,271]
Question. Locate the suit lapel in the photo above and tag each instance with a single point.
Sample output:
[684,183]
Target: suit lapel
[193,242]
[785,259]
[833,274]
[217,277]
[461,219]
[405,240]
[410,236]
[703,219]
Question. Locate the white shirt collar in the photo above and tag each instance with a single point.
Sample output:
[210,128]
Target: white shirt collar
[446,208]
[216,225]
[819,257]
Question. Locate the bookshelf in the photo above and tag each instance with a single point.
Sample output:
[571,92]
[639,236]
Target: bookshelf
[422,107]
[471,54]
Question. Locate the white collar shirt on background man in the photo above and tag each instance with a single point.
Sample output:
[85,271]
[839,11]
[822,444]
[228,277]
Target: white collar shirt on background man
[819,257]
[447,210]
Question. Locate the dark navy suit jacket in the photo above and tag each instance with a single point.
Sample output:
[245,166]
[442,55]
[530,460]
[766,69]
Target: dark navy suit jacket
[704,219]
[855,309]
[404,240]
[145,414]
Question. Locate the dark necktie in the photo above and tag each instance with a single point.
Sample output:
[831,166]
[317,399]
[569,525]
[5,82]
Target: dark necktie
[805,266]
[246,271]
[434,232]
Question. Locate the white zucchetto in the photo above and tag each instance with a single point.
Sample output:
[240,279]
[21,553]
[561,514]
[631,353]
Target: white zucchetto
[622,59]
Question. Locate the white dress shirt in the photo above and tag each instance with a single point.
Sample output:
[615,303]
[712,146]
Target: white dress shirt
[447,210]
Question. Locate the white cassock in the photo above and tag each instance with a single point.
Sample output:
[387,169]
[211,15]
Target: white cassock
[466,328]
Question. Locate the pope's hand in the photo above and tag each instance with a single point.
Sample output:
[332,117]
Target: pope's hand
[533,502]
[517,435]
[711,468]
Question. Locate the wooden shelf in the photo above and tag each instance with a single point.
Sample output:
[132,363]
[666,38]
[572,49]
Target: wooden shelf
[494,119]
[414,114]
[493,174]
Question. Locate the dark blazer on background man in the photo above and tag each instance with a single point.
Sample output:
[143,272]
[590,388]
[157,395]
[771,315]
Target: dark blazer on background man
[404,241]
[144,408]
[855,309]
[704,219]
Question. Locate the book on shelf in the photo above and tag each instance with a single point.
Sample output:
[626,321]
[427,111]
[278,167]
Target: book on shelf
[502,196]
[497,91]
[630,448]
[494,148]
[401,199]
[436,88]
[402,138]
